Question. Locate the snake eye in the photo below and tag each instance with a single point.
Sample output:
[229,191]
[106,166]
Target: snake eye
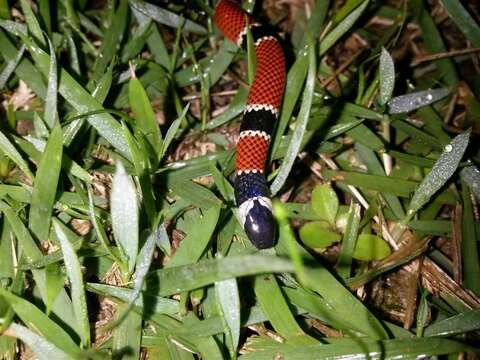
[260,226]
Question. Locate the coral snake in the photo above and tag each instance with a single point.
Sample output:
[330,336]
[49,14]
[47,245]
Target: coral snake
[252,193]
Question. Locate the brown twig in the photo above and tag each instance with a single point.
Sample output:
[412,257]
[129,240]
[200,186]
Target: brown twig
[443,55]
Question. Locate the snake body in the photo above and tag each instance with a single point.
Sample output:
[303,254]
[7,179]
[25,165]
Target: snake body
[252,193]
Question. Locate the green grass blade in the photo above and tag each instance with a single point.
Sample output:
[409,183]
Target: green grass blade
[387,77]
[415,100]
[32,22]
[125,216]
[365,349]
[45,185]
[228,299]
[34,151]
[77,288]
[302,121]
[127,336]
[384,184]
[166,17]
[464,21]
[276,308]
[458,324]
[344,262]
[198,237]
[471,176]
[83,102]
[345,308]
[197,194]
[188,277]
[144,261]
[145,118]
[212,67]
[8,70]
[9,150]
[50,115]
[41,323]
[112,37]
[25,69]
[434,42]
[172,131]
[293,87]
[469,244]
[345,25]
[443,169]
[43,349]
[150,301]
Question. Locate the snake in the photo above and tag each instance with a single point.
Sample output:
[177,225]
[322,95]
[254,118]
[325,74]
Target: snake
[252,193]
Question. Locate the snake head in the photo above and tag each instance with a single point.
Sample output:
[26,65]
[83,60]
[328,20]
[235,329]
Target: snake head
[258,221]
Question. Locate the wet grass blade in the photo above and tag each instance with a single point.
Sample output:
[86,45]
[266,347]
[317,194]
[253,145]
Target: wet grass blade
[50,115]
[384,184]
[41,323]
[77,288]
[228,299]
[188,277]
[145,119]
[345,258]
[198,237]
[415,100]
[83,102]
[276,308]
[32,22]
[469,244]
[45,185]
[365,349]
[166,17]
[387,77]
[344,307]
[434,43]
[42,348]
[443,169]
[9,150]
[458,324]
[293,87]
[8,70]
[345,25]
[125,215]
[464,21]
[127,336]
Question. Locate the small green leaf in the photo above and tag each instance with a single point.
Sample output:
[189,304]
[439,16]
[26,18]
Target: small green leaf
[370,247]
[325,203]
[124,209]
[317,236]
[387,77]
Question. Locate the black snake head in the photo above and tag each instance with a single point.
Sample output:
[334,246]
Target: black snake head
[260,224]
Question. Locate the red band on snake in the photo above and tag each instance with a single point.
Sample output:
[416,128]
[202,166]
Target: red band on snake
[264,99]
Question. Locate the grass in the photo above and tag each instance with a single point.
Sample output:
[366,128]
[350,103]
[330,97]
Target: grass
[119,236]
